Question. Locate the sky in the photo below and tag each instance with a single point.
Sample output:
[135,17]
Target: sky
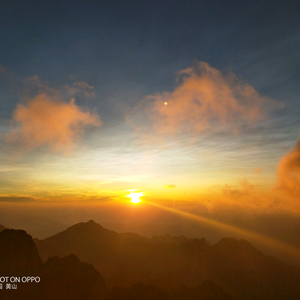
[194,105]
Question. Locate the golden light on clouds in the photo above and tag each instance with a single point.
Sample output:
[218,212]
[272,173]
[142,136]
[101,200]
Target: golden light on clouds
[204,99]
[44,121]
[288,174]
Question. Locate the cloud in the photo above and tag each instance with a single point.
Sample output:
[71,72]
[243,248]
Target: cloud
[288,172]
[81,88]
[244,187]
[34,85]
[170,186]
[203,100]
[45,121]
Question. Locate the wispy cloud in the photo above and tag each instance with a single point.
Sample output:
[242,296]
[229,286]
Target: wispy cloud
[203,100]
[48,121]
[81,88]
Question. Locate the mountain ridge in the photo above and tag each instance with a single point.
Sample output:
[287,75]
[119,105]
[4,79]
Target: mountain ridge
[128,258]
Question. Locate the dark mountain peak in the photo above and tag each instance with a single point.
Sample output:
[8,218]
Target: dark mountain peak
[227,241]
[167,238]
[88,238]
[195,247]
[70,259]
[233,244]
[18,253]
[86,229]
[2,227]
[200,243]
[238,250]
[67,278]
[89,224]
[210,290]
[92,223]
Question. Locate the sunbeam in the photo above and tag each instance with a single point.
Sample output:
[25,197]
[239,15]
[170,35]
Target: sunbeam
[263,239]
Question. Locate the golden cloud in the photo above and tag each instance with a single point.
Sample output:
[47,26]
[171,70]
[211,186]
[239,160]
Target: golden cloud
[44,121]
[203,100]
[288,173]
[170,186]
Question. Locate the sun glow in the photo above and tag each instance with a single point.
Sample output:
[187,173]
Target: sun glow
[135,197]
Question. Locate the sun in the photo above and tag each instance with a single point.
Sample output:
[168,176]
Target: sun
[135,197]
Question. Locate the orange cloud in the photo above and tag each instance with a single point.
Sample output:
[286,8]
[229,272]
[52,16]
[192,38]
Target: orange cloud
[170,186]
[288,173]
[203,100]
[44,121]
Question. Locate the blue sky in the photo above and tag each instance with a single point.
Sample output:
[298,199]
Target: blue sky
[118,59]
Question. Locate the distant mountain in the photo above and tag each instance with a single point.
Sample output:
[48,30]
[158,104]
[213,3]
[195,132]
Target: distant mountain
[124,259]
[2,227]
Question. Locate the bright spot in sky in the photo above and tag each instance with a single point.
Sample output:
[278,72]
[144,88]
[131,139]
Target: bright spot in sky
[166,103]
[135,197]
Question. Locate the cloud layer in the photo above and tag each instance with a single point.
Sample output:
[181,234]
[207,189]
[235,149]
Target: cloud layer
[204,100]
[288,174]
[44,121]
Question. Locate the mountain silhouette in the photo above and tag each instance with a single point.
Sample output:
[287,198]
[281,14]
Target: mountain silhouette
[67,278]
[18,254]
[60,278]
[126,259]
